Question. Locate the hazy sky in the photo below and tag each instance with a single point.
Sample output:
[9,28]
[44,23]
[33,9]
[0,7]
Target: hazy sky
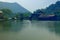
[33,4]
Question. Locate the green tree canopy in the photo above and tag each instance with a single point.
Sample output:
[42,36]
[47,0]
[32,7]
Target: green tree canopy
[6,12]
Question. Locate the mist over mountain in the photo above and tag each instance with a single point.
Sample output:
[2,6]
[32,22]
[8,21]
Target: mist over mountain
[15,7]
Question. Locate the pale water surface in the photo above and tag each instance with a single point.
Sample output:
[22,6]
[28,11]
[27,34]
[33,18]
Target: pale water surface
[29,30]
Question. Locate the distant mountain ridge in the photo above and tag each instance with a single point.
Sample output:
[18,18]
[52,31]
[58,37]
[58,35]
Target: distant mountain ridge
[15,7]
[53,8]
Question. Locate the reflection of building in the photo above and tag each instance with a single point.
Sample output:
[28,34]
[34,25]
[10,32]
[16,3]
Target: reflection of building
[1,15]
[43,15]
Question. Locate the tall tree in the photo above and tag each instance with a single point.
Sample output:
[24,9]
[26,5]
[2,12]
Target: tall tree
[7,12]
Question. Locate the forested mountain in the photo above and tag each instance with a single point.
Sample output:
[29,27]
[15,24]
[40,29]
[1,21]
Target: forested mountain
[53,8]
[14,7]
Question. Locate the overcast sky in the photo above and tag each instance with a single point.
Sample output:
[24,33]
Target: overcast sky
[33,4]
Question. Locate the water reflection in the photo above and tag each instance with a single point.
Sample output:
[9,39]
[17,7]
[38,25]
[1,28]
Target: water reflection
[17,25]
[54,26]
[5,25]
[11,25]
[29,30]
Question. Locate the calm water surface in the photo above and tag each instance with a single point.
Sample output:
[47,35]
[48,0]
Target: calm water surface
[29,30]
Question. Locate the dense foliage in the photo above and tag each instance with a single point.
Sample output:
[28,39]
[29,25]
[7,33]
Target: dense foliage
[53,9]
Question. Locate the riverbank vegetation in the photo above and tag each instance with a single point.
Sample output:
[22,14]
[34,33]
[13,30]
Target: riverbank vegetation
[50,13]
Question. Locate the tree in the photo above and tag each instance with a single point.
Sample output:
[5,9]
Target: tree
[38,11]
[57,13]
[7,12]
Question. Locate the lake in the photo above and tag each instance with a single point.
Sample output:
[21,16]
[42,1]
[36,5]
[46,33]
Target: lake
[29,30]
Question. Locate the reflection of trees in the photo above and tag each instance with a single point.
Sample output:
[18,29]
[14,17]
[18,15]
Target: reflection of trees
[11,25]
[5,25]
[16,25]
[57,27]
[51,26]
[54,26]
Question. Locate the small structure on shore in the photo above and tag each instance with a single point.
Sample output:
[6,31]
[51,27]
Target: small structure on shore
[1,15]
